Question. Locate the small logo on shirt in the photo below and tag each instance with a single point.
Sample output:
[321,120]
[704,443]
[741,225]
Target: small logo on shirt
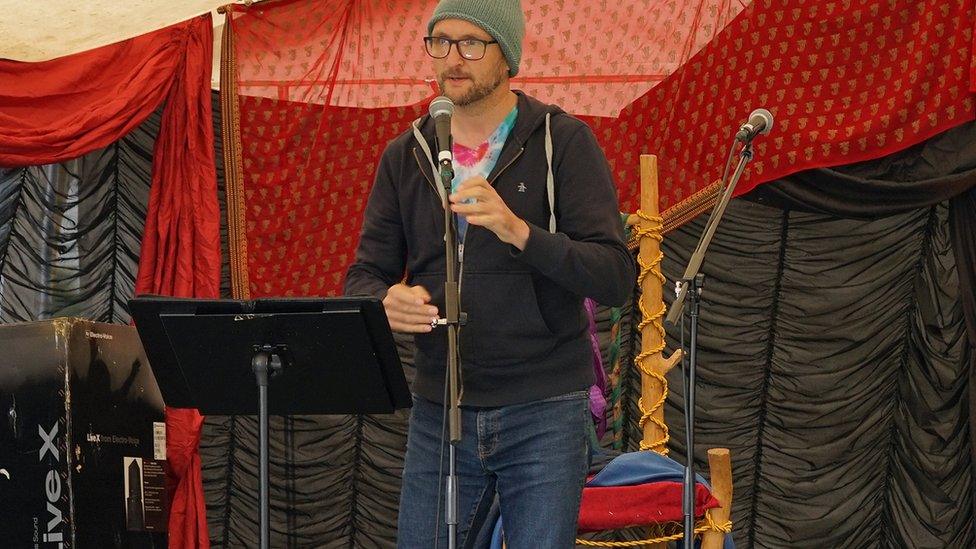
[521,187]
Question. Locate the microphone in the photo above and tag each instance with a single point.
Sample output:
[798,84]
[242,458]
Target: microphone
[760,122]
[441,110]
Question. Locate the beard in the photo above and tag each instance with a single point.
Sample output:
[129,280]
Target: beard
[478,91]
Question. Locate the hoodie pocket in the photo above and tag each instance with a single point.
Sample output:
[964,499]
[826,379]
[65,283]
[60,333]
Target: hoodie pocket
[505,325]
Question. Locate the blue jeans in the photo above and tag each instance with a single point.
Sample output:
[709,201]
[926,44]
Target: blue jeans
[534,455]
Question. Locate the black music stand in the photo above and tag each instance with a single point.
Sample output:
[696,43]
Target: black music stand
[306,356]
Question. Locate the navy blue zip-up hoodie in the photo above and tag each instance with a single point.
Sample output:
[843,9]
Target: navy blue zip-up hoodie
[525,338]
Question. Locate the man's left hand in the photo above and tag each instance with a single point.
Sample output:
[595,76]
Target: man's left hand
[486,209]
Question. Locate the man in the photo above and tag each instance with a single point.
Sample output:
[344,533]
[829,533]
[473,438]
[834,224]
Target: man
[526,364]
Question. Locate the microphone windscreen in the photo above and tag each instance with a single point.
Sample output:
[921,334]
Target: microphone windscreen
[441,106]
[767,118]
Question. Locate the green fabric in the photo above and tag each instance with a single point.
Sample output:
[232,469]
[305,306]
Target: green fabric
[616,423]
[502,19]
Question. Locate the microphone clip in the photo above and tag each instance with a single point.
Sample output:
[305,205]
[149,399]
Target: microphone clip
[446,172]
[760,122]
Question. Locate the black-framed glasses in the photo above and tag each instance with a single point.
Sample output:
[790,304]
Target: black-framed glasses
[471,49]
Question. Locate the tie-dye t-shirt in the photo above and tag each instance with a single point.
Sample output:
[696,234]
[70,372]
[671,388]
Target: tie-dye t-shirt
[479,161]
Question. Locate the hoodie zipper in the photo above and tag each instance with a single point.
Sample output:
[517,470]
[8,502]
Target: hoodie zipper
[461,244]
[437,193]
[460,250]
[427,179]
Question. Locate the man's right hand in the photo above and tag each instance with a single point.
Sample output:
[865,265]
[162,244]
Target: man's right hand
[408,309]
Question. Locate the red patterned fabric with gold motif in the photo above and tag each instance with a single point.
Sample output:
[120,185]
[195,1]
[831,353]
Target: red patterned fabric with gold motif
[305,190]
[846,80]
[590,57]
[322,88]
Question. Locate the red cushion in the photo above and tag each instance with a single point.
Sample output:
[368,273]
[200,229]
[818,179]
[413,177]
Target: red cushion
[614,507]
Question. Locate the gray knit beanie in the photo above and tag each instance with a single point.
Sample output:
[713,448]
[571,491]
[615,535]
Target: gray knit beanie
[502,19]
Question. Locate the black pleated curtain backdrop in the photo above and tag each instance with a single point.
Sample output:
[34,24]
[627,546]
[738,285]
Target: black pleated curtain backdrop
[835,360]
[835,365]
[70,233]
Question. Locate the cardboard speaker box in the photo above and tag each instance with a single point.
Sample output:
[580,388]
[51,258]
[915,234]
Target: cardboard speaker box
[82,438]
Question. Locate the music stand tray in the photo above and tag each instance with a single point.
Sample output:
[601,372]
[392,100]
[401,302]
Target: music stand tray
[307,356]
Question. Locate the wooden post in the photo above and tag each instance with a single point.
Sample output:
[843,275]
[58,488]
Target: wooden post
[651,362]
[720,470]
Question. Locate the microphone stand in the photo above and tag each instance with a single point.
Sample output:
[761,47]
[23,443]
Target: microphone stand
[453,319]
[690,287]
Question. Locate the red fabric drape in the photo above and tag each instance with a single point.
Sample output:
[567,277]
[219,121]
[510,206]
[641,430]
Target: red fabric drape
[64,108]
[181,242]
[846,81]
[187,511]
[303,224]
[306,167]
[181,252]
[60,109]
[589,57]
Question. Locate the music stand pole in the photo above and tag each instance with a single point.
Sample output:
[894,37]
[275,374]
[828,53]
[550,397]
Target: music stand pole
[265,364]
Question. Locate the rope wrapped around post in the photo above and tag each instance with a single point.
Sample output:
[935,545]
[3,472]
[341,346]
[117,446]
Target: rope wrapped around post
[648,226]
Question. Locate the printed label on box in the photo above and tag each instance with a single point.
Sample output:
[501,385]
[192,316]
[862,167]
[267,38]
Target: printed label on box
[146,507]
[159,440]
